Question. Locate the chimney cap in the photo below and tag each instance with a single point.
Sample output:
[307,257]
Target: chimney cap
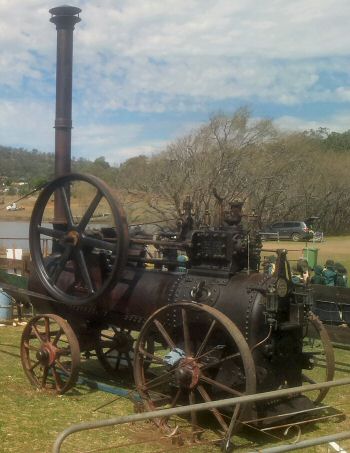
[65,10]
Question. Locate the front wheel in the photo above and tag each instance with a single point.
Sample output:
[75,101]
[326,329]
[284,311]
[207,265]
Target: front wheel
[296,237]
[50,353]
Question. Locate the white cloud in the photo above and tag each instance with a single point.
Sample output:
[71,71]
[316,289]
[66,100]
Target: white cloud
[156,56]
[93,140]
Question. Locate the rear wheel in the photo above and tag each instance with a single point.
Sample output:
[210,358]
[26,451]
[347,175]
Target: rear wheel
[296,237]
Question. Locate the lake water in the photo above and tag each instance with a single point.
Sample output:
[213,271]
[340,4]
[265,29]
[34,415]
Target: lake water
[14,235]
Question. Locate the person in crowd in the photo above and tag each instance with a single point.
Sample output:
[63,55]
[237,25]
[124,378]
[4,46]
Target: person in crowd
[304,270]
[318,278]
[296,278]
[329,273]
[269,264]
[341,277]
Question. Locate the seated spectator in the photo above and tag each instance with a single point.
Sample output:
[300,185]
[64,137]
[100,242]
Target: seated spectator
[269,264]
[341,278]
[318,278]
[329,273]
[303,269]
[296,278]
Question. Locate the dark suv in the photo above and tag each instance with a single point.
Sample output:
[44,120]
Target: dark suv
[296,231]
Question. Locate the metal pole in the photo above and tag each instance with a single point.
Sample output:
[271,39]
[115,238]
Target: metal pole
[193,407]
[64,17]
[307,443]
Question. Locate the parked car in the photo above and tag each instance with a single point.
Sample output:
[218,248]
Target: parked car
[296,231]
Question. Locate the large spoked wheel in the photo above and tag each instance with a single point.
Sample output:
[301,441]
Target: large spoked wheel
[85,263]
[50,353]
[115,349]
[318,346]
[199,355]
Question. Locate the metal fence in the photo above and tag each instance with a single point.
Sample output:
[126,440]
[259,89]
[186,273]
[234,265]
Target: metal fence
[199,407]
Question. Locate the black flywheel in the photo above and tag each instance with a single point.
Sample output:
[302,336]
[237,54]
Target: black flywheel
[85,260]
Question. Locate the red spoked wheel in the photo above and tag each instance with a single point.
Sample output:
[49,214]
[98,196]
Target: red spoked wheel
[199,355]
[50,353]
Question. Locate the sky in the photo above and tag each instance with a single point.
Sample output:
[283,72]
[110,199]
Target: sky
[149,71]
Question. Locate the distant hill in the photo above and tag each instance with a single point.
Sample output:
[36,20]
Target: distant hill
[18,164]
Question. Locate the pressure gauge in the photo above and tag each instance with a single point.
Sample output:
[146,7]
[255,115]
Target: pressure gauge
[281,287]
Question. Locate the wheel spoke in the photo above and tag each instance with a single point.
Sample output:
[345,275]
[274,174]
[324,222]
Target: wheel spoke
[84,270]
[194,420]
[112,349]
[30,347]
[57,270]
[66,206]
[34,366]
[117,363]
[90,211]
[186,332]
[62,367]
[206,338]
[220,386]
[47,328]
[44,376]
[165,334]
[57,336]
[37,333]
[163,379]
[308,379]
[220,361]
[151,356]
[51,232]
[216,413]
[56,377]
[64,352]
[98,243]
[174,402]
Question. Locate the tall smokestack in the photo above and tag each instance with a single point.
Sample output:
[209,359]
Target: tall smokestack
[64,17]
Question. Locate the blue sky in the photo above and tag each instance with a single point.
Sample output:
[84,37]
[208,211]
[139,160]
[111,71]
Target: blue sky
[148,71]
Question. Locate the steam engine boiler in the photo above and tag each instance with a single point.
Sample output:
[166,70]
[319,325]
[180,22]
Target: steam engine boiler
[216,329]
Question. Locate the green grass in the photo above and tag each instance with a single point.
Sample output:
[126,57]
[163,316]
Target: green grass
[30,420]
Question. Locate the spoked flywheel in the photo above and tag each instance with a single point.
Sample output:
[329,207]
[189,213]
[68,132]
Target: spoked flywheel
[318,347]
[84,261]
[199,355]
[50,353]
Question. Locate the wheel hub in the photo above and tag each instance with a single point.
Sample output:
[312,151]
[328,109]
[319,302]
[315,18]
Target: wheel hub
[187,373]
[123,342]
[72,237]
[46,355]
